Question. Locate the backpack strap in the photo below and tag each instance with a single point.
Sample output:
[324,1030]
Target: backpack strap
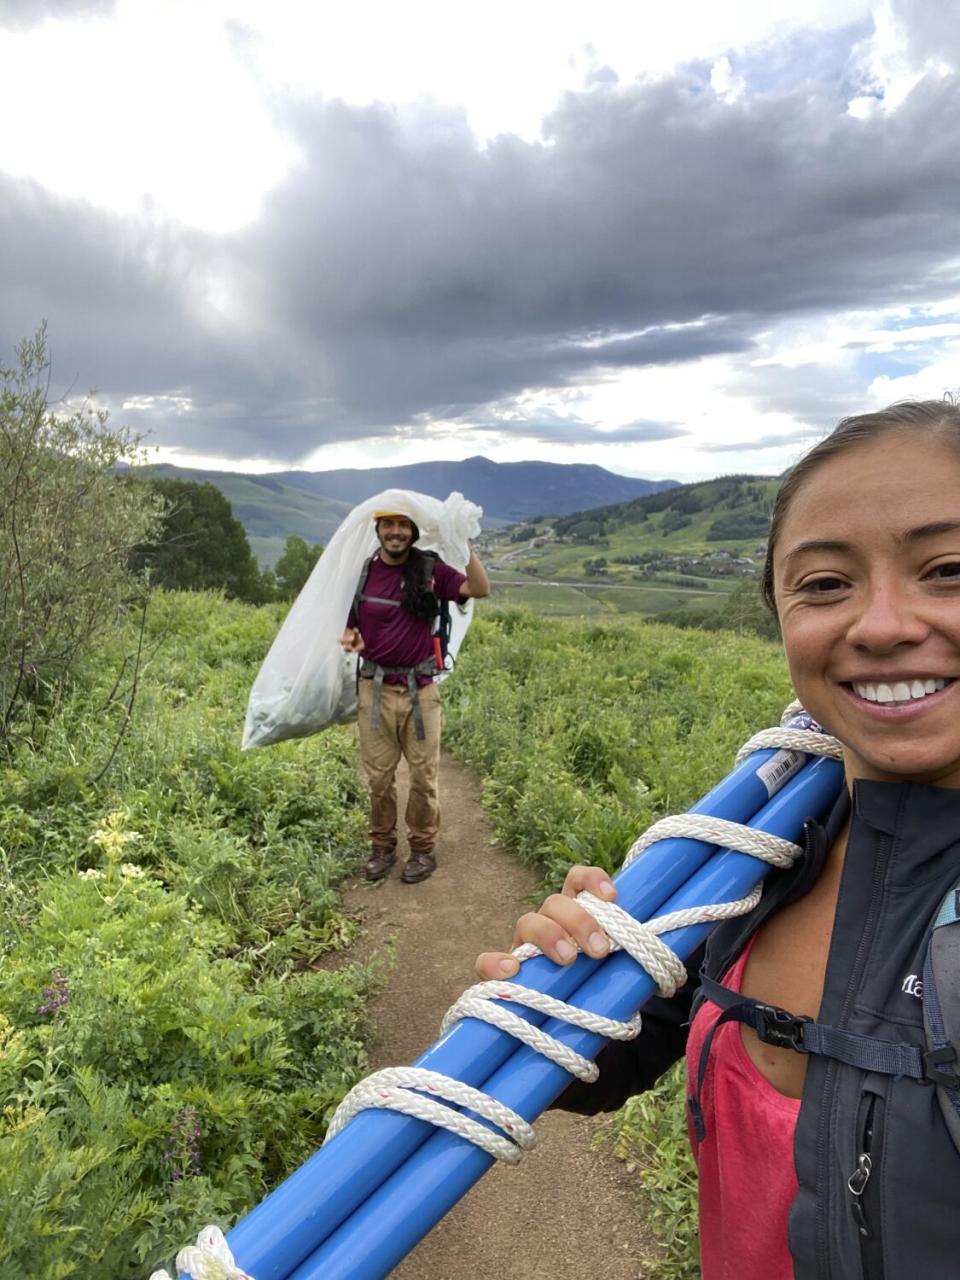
[361,583]
[785,1030]
[941,1004]
[361,597]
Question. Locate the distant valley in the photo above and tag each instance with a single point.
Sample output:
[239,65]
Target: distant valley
[681,554]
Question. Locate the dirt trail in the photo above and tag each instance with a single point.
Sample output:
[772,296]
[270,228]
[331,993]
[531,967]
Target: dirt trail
[567,1209]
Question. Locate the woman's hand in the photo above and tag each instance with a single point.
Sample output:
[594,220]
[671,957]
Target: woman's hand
[558,928]
[352,640]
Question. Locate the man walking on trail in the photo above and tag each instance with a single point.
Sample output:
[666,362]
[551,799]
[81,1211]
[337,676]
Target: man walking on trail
[391,624]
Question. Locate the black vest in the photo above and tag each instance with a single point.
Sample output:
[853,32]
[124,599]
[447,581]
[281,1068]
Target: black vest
[879,1176]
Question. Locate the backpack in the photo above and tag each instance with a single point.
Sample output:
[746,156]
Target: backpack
[442,623]
[941,1009]
[936,1063]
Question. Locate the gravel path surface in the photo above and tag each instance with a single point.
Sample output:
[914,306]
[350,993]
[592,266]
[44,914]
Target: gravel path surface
[567,1209]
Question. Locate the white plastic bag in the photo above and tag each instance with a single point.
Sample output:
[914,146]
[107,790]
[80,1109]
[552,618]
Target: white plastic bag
[307,681]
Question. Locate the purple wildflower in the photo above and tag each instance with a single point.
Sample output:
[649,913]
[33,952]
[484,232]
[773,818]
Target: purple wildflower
[56,995]
[183,1146]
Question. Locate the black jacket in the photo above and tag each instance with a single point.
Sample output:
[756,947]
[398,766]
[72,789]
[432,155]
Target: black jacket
[903,855]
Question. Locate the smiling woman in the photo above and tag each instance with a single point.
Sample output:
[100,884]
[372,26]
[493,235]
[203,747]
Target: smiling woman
[870,606]
[818,1156]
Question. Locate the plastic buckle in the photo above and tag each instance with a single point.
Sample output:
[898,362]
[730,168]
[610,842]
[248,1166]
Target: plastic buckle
[782,1029]
[934,1059]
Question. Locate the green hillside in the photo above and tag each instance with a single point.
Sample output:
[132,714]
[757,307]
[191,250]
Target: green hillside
[268,509]
[686,548]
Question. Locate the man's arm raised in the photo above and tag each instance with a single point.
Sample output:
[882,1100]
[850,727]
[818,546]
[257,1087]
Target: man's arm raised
[477,584]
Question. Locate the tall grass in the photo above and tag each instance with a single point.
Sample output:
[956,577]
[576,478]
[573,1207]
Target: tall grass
[168,1050]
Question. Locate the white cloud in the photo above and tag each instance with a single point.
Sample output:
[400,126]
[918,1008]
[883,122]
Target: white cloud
[167,103]
[148,108]
[187,108]
[929,383]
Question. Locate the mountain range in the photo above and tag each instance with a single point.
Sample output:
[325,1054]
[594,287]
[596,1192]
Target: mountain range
[312,503]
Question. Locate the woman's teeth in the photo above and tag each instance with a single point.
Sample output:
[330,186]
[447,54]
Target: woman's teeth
[902,691]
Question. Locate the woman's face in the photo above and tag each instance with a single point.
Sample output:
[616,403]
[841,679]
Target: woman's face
[867,583]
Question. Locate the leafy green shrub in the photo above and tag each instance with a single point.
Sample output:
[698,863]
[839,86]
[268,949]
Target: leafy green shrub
[201,545]
[168,1049]
[145,1055]
[586,732]
[651,1134]
[67,522]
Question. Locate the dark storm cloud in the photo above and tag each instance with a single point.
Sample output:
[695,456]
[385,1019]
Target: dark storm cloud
[401,272]
[20,15]
[777,440]
[554,428]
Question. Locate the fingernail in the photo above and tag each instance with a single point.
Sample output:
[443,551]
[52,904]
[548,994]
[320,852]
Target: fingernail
[509,967]
[566,951]
[597,944]
[607,889]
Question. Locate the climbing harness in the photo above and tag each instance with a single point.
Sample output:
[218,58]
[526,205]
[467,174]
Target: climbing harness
[373,671]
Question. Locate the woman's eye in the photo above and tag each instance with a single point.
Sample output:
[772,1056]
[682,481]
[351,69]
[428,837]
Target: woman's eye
[949,572]
[823,586]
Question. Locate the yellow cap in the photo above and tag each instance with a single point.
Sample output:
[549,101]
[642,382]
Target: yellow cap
[384,515]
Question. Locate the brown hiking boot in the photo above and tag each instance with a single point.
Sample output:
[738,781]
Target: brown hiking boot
[420,864]
[379,863]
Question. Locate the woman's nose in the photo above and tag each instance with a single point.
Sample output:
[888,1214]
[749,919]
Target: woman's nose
[887,617]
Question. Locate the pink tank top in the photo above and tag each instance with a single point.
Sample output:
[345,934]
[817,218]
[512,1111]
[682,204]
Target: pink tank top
[747,1175]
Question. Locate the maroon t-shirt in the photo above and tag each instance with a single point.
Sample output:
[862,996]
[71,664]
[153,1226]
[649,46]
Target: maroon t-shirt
[394,637]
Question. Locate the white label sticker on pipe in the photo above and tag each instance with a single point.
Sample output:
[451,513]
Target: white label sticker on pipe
[779,769]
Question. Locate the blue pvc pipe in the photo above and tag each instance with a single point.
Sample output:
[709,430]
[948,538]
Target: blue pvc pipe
[390,1223]
[297,1217]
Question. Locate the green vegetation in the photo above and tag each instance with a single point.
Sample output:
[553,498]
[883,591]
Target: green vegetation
[650,1133]
[67,522]
[742,610]
[169,1049]
[171,1042]
[585,733]
[294,567]
[201,545]
[543,598]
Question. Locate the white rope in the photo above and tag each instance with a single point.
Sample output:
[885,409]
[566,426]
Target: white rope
[477,1002]
[720,831]
[804,741]
[209,1259]
[398,1089]
[641,941]
[402,1089]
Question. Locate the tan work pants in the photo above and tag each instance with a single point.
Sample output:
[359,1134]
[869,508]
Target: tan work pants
[380,752]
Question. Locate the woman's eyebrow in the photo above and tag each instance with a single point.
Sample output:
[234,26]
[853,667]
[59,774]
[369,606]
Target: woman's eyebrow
[932,530]
[817,544]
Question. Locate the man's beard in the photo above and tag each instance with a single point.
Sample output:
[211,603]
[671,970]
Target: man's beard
[400,553]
